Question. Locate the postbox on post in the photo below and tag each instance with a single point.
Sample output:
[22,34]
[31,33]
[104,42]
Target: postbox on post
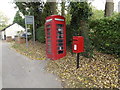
[55,35]
[78,44]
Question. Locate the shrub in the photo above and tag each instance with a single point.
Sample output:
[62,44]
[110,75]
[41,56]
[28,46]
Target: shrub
[105,34]
[40,34]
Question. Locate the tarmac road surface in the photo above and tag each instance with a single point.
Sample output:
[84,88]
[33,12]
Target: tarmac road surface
[18,71]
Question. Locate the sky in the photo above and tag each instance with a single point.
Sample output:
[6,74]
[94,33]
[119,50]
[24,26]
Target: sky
[7,7]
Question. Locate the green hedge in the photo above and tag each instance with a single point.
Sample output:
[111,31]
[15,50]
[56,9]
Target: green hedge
[40,34]
[105,34]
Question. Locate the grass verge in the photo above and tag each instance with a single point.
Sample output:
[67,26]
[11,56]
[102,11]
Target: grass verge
[35,52]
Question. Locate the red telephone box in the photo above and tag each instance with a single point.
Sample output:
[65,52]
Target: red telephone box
[55,35]
[78,44]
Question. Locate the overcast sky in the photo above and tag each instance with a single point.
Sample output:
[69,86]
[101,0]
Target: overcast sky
[7,7]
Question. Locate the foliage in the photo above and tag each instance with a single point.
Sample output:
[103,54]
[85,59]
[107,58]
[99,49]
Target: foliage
[46,11]
[3,21]
[40,34]
[80,14]
[80,10]
[18,19]
[32,8]
[68,35]
[97,14]
[105,34]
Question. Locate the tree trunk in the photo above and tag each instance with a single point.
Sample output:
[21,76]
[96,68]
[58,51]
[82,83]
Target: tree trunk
[53,7]
[109,8]
[84,31]
[63,8]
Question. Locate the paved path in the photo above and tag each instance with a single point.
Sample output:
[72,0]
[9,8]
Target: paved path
[19,71]
[0,65]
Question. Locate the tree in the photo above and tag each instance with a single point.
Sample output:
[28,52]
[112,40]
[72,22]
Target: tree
[47,11]
[80,12]
[63,8]
[3,21]
[97,14]
[53,7]
[109,8]
[18,19]
[32,8]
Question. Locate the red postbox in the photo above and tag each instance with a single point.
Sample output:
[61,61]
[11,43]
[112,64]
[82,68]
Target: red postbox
[55,35]
[78,44]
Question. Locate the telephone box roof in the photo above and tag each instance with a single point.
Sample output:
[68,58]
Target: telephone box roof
[55,16]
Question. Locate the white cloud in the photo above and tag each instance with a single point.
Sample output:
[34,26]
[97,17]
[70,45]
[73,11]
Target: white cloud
[8,9]
[100,4]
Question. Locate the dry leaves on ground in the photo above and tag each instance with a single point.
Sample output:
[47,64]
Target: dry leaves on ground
[101,71]
[35,52]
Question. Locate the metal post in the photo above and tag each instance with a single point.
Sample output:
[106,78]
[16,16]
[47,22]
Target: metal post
[78,60]
[33,31]
[26,36]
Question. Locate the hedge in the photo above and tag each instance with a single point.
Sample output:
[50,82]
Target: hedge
[40,34]
[105,34]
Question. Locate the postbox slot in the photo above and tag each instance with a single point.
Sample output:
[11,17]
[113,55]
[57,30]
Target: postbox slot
[60,52]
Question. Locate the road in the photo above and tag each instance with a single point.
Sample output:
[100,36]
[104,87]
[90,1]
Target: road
[0,65]
[18,71]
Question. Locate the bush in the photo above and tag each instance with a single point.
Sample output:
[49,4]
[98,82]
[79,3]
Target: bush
[105,34]
[68,35]
[40,34]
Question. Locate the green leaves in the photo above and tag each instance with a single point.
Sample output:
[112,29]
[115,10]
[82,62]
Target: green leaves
[106,36]
[80,10]
[40,34]
[80,13]
[18,19]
